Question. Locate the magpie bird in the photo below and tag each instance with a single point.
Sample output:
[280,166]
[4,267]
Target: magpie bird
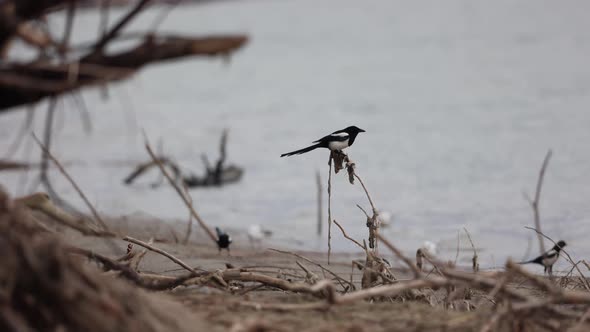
[549,258]
[338,140]
[223,239]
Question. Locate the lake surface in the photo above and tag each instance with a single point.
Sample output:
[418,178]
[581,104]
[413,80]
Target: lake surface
[460,100]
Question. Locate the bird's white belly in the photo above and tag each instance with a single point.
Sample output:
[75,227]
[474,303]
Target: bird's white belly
[550,260]
[338,145]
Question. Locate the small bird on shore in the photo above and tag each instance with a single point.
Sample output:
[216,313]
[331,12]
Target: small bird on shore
[223,239]
[549,258]
[338,140]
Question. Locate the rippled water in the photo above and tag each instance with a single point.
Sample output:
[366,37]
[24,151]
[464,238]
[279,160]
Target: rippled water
[460,100]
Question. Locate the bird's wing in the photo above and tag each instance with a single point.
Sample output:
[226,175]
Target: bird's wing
[551,253]
[334,137]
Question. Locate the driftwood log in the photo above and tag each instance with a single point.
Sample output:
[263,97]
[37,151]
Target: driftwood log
[217,175]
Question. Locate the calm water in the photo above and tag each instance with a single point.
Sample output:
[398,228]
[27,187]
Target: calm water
[460,100]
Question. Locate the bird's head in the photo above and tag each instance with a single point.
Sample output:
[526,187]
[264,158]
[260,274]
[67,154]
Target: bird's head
[354,129]
[560,244]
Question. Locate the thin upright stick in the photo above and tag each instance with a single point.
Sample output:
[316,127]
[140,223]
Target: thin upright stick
[475,264]
[535,203]
[72,182]
[320,212]
[373,231]
[367,193]
[161,252]
[189,227]
[180,193]
[329,207]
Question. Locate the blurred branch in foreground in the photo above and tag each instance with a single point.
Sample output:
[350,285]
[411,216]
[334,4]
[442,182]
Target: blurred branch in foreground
[61,68]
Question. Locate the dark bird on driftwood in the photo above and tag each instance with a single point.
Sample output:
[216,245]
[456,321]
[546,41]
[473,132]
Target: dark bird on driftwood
[338,140]
[223,239]
[549,258]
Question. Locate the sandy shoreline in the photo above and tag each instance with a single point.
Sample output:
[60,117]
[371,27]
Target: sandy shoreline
[257,289]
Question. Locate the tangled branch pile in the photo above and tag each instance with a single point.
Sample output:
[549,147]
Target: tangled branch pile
[43,287]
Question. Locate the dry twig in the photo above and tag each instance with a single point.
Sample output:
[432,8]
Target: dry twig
[474,262]
[337,277]
[318,178]
[348,237]
[329,207]
[535,203]
[186,201]
[72,182]
[161,252]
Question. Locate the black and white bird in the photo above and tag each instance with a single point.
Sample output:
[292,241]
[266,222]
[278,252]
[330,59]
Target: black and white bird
[223,239]
[549,258]
[338,140]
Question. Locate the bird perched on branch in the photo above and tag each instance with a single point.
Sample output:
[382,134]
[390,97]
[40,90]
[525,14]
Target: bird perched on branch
[338,140]
[223,239]
[549,258]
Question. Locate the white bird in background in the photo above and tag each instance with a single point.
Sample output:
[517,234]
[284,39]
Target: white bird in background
[385,218]
[256,234]
[429,248]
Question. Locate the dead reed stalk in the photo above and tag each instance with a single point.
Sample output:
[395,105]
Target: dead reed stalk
[329,207]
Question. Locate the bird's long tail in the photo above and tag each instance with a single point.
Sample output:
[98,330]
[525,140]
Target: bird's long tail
[304,150]
[537,260]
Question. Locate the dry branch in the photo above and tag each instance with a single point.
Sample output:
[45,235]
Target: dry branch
[214,176]
[474,262]
[73,183]
[120,25]
[300,287]
[161,252]
[354,297]
[318,178]
[144,167]
[330,206]
[535,202]
[186,201]
[348,237]
[336,276]
[23,84]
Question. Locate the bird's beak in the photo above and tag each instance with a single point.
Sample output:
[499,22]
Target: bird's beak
[361,130]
